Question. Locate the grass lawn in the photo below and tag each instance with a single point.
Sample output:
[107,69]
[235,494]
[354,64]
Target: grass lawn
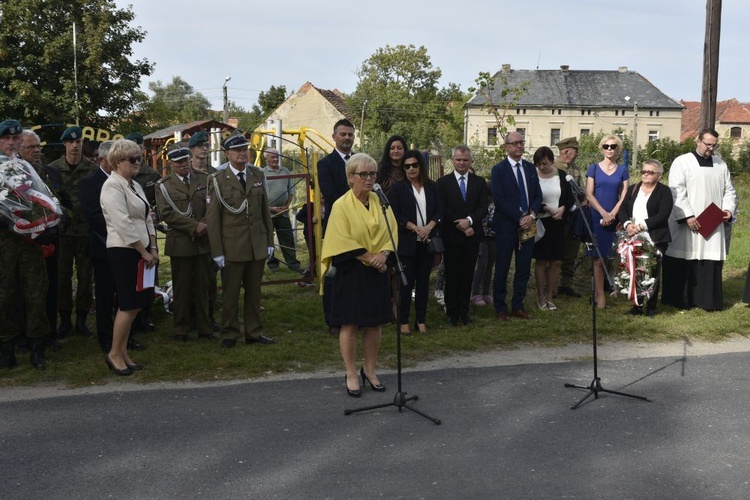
[294,317]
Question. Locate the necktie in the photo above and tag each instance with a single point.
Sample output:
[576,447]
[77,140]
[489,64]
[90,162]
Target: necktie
[522,189]
[186,181]
[462,186]
[347,157]
[241,177]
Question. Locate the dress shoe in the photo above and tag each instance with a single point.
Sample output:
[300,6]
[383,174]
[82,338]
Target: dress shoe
[181,338]
[477,300]
[134,345]
[260,339]
[650,313]
[228,343]
[136,367]
[453,320]
[634,311]
[503,316]
[81,326]
[148,324]
[354,393]
[487,299]
[568,291]
[520,313]
[123,373]
[465,319]
[209,336]
[38,360]
[377,388]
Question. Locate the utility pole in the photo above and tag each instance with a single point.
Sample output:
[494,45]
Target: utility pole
[225,115]
[635,136]
[710,63]
[362,127]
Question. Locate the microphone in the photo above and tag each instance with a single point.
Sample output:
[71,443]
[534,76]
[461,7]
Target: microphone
[383,198]
[576,189]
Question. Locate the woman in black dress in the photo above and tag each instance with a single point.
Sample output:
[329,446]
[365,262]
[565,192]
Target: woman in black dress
[415,205]
[549,250]
[355,254]
[389,169]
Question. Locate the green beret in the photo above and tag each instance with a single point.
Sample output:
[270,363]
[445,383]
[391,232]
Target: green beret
[71,134]
[568,142]
[10,127]
[198,138]
[136,137]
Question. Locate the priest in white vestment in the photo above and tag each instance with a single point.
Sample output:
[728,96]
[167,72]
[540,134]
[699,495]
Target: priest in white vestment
[693,264]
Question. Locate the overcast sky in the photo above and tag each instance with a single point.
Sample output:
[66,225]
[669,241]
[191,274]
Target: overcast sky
[260,44]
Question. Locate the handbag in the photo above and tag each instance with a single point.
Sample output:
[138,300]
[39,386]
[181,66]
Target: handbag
[435,243]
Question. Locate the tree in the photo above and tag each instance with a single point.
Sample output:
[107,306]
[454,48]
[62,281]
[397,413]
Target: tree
[175,103]
[499,97]
[398,91]
[36,61]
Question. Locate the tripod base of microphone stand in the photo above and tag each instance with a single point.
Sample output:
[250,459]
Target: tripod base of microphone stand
[399,401]
[595,388]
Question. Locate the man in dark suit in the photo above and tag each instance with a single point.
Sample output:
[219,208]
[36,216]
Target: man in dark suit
[89,189]
[333,184]
[464,199]
[518,198]
[240,233]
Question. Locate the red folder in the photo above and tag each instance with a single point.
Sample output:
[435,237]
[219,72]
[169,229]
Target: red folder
[146,276]
[709,220]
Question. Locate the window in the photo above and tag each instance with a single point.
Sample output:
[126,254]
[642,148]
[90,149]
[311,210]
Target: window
[521,131]
[653,113]
[617,112]
[653,135]
[735,133]
[583,112]
[554,137]
[492,136]
[553,112]
[585,131]
[559,111]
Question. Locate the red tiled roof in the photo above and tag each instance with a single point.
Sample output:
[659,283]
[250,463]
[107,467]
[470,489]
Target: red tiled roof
[335,97]
[730,111]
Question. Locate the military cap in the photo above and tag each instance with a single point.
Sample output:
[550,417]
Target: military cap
[136,137]
[568,142]
[178,153]
[198,138]
[71,134]
[10,127]
[235,141]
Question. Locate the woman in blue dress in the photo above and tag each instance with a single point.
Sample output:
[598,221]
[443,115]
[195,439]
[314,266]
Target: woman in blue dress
[606,186]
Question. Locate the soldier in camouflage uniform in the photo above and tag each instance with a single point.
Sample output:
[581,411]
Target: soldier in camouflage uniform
[74,239]
[147,177]
[22,271]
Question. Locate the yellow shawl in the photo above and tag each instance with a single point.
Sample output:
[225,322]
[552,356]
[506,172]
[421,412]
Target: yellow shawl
[351,225]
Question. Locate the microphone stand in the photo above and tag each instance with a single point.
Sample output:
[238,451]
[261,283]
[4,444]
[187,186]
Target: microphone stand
[595,387]
[399,400]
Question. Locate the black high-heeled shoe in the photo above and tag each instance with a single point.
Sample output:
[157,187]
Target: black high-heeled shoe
[376,388]
[123,373]
[136,367]
[356,393]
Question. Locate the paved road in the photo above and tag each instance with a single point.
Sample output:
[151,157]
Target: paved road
[507,432]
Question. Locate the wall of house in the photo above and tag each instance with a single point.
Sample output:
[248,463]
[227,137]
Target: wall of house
[545,126]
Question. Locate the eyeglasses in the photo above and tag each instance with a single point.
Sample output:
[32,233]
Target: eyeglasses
[711,145]
[408,166]
[32,146]
[649,172]
[515,143]
[135,160]
[366,175]
[609,146]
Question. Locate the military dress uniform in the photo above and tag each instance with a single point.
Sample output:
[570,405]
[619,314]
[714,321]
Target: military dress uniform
[182,205]
[74,243]
[240,229]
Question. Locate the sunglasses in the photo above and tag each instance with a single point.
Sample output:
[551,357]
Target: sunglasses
[649,172]
[366,175]
[408,166]
[135,160]
[609,146]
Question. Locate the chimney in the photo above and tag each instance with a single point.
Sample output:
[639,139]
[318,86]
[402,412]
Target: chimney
[623,69]
[506,68]
[564,68]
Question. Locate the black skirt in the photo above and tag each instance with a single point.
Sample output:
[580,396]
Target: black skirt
[361,295]
[124,265]
[552,244]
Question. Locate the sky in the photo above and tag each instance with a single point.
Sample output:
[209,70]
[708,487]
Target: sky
[260,44]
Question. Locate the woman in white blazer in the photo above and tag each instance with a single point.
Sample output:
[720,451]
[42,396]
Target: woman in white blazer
[130,238]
